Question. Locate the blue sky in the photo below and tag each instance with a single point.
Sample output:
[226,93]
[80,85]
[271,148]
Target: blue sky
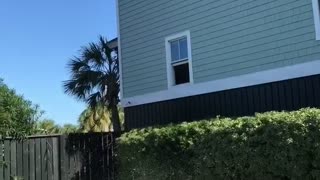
[37,38]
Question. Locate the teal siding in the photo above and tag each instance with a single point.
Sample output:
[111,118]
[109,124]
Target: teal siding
[229,38]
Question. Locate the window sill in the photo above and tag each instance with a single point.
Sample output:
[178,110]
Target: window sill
[180,85]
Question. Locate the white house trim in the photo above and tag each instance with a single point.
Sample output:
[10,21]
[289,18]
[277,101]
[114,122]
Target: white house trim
[316,15]
[168,58]
[185,90]
[119,49]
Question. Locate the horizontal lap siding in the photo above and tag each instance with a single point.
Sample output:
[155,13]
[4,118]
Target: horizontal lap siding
[229,38]
[277,96]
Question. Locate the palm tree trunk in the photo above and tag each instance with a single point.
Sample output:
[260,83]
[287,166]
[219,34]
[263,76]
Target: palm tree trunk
[115,119]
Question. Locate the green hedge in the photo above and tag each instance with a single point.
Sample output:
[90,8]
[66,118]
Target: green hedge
[274,145]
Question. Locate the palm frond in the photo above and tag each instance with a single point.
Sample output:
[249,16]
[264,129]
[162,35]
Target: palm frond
[90,77]
[94,100]
[76,65]
[73,87]
[93,54]
[105,48]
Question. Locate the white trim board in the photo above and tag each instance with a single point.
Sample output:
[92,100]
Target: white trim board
[119,49]
[262,77]
[316,17]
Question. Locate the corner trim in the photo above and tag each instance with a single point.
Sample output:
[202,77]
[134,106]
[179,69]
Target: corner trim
[268,76]
[119,48]
[316,17]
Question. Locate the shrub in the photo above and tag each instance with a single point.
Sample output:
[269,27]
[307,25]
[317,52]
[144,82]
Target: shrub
[273,145]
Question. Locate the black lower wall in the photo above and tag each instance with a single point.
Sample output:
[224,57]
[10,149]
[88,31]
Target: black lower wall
[283,95]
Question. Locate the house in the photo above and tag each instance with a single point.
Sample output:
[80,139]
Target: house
[186,60]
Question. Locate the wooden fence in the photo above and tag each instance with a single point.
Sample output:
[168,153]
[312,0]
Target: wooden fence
[61,157]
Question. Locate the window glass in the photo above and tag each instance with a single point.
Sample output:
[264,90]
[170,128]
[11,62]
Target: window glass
[183,48]
[175,50]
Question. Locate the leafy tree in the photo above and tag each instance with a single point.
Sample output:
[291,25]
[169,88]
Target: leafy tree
[47,127]
[17,115]
[69,128]
[50,127]
[95,78]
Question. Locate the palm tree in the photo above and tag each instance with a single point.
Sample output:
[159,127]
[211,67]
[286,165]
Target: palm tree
[95,78]
[95,120]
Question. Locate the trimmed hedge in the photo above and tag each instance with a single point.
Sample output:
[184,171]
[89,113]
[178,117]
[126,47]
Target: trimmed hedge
[273,145]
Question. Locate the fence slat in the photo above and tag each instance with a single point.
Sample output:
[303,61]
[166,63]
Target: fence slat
[55,152]
[49,158]
[32,164]
[78,157]
[13,159]
[19,159]
[63,158]
[25,159]
[88,157]
[38,159]
[44,159]
[83,158]
[7,159]
[1,159]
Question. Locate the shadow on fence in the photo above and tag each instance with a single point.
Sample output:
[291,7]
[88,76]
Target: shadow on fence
[59,157]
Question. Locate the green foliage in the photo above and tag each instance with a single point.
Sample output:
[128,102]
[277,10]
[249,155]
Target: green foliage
[69,128]
[49,127]
[274,145]
[17,115]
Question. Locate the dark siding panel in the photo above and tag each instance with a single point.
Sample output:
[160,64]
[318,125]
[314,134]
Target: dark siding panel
[303,94]
[222,103]
[251,104]
[295,94]
[288,94]
[275,96]
[310,92]
[152,119]
[268,93]
[245,102]
[217,105]
[232,102]
[210,106]
[316,90]
[284,95]
[256,100]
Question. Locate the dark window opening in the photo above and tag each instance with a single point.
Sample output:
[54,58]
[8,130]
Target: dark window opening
[181,73]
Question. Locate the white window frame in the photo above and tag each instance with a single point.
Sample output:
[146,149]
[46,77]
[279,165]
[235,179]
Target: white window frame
[170,71]
[316,15]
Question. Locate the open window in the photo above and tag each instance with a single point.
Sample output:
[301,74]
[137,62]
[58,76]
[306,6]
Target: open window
[179,62]
[316,16]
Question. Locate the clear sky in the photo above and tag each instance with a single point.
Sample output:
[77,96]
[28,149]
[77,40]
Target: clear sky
[37,38]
